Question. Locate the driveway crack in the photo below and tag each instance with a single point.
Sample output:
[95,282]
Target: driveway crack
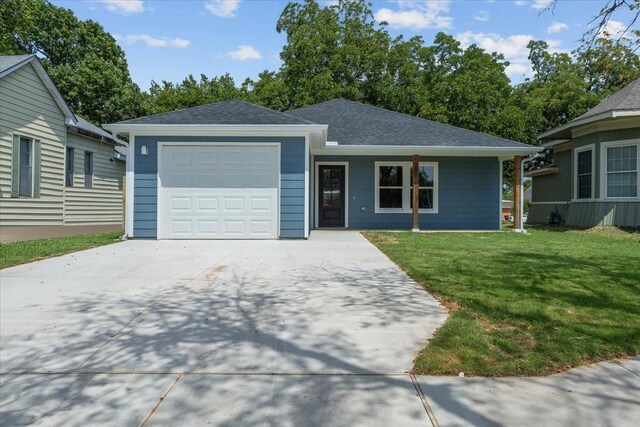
[159,402]
[425,404]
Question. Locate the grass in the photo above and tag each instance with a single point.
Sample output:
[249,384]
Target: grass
[16,253]
[530,304]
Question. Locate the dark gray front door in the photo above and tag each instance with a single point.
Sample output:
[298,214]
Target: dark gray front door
[331,197]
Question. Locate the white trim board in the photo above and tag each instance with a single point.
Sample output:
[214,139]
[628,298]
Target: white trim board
[317,190]
[574,171]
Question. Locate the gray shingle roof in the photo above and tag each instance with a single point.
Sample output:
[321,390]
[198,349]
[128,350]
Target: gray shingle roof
[7,62]
[626,99]
[353,123]
[87,126]
[233,112]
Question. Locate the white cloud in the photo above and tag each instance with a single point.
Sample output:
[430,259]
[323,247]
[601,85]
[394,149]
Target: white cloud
[222,8]
[556,27]
[613,29]
[514,48]
[540,4]
[417,14]
[536,4]
[126,7]
[153,41]
[244,53]
[482,16]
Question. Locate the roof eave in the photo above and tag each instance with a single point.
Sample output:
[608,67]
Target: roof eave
[459,151]
[564,131]
[173,129]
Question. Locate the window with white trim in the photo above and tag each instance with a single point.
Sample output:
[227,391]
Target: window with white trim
[393,187]
[584,174]
[621,166]
[26,167]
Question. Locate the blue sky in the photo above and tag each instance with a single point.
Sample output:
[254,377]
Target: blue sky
[167,40]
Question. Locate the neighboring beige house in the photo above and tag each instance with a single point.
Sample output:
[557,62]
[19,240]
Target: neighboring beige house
[595,177]
[59,174]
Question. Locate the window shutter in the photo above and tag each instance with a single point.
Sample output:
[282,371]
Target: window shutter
[36,167]
[15,167]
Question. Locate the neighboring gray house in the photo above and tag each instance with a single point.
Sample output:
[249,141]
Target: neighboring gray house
[56,169]
[237,170]
[595,176]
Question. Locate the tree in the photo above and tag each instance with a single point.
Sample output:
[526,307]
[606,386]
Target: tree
[599,24]
[190,93]
[84,61]
[333,51]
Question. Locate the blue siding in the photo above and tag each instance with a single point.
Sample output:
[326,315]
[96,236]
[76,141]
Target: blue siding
[467,191]
[292,162]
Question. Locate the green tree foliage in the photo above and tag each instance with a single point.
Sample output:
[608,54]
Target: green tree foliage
[190,93]
[85,62]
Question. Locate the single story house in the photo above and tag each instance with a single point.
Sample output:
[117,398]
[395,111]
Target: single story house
[594,178]
[57,170]
[237,170]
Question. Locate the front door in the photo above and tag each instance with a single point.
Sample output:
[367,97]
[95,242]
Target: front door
[331,198]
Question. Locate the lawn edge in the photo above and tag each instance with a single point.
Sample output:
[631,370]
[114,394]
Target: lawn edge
[585,362]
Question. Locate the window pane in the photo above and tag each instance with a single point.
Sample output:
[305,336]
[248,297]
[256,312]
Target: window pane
[426,176]
[622,184]
[69,168]
[584,162]
[88,170]
[391,198]
[26,172]
[622,159]
[425,199]
[584,186]
[390,176]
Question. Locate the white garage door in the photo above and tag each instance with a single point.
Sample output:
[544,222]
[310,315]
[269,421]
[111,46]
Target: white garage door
[219,192]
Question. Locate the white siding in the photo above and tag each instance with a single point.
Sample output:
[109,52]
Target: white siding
[27,108]
[101,204]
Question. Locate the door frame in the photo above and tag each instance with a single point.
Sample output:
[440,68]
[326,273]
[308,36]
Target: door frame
[316,191]
[162,144]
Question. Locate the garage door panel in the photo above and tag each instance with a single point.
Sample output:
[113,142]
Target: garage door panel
[219,192]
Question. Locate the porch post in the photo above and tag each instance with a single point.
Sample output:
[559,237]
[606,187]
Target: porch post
[415,187]
[517,193]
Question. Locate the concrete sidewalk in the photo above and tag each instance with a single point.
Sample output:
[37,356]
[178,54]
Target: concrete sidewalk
[605,394]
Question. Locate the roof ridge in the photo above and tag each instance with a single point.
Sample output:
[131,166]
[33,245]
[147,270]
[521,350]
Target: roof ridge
[237,100]
[270,109]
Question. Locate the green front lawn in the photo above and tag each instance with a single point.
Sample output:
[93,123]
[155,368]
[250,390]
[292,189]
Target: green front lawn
[15,253]
[530,304]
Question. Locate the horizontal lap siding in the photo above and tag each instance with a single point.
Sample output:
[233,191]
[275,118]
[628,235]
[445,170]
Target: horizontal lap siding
[27,108]
[292,165]
[101,204]
[468,193]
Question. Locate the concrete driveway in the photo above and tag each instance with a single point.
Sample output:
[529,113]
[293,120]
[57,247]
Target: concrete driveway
[194,331]
[318,332]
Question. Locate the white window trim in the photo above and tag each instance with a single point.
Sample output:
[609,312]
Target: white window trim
[576,151]
[406,187]
[603,167]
